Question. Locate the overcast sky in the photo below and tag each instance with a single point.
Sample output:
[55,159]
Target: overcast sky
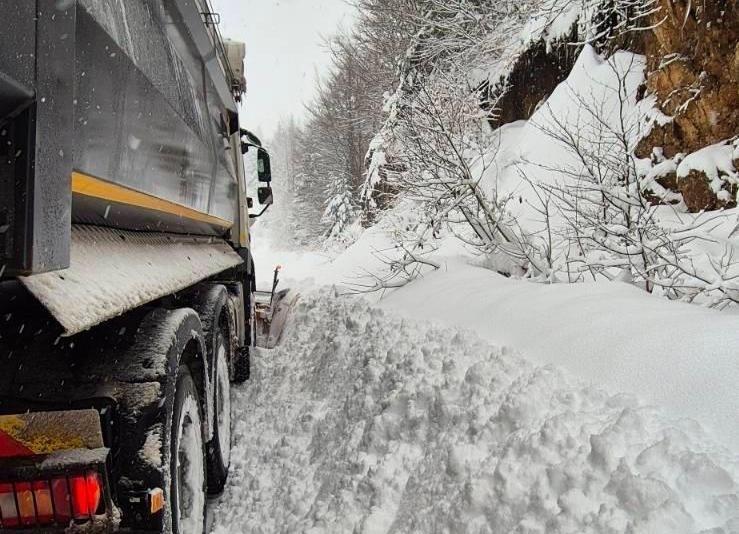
[283,52]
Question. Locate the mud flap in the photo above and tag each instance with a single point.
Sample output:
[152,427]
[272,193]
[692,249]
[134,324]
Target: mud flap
[32,434]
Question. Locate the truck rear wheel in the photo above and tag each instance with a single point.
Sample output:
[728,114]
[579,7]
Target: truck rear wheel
[219,448]
[212,306]
[187,468]
[242,358]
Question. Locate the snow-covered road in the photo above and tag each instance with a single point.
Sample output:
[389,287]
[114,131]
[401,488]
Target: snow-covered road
[367,423]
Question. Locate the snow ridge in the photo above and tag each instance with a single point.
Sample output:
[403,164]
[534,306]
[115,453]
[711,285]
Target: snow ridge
[363,422]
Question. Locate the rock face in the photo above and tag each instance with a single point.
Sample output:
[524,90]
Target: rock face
[534,76]
[692,52]
[698,196]
[693,70]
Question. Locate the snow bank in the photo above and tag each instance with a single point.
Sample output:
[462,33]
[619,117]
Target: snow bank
[679,357]
[534,148]
[362,422]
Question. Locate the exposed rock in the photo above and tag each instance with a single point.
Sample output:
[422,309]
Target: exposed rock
[665,192]
[698,195]
[705,180]
[534,76]
[710,171]
[668,181]
[693,70]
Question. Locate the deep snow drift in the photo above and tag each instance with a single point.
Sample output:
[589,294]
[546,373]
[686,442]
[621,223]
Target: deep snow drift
[619,415]
[363,422]
[679,357]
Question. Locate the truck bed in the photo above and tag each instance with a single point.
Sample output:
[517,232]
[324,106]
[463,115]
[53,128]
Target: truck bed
[115,114]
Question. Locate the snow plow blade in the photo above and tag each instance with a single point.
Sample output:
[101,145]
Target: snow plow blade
[272,311]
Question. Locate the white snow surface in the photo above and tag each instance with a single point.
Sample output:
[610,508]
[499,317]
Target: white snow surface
[528,148]
[682,358]
[368,423]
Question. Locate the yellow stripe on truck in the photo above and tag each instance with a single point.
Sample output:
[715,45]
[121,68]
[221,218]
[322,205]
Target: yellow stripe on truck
[83,184]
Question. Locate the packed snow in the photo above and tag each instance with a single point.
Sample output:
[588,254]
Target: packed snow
[365,422]
[519,407]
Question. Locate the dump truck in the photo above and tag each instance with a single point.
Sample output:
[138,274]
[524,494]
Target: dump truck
[127,283]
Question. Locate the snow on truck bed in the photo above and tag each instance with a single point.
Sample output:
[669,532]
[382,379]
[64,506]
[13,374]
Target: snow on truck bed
[364,422]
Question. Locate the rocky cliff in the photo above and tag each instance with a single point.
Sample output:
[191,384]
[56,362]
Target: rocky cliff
[693,70]
[692,52]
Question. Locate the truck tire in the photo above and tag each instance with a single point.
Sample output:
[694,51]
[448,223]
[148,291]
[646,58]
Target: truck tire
[158,370]
[242,358]
[187,459]
[219,447]
[212,307]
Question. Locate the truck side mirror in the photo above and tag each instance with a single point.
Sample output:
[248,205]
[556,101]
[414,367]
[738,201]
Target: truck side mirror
[264,170]
[265,195]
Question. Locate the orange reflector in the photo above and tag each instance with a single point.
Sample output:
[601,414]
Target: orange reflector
[156,499]
[25,503]
[62,506]
[44,507]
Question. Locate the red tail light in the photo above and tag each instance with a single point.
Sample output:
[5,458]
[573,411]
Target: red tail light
[86,492]
[79,496]
[44,502]
[94,491]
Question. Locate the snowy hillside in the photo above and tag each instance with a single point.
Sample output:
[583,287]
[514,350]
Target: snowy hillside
[365,422]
